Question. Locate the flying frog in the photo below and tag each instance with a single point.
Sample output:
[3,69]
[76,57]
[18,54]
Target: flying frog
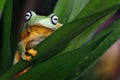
[35,30]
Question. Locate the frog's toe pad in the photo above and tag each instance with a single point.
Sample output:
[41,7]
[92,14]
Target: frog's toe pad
[28,58]
[32,52]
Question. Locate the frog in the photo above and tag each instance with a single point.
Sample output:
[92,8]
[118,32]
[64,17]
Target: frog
[35,30]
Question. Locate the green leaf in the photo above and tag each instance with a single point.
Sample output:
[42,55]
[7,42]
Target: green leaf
[91,8]
[93,56]
[95,6]
[80,39]
[57,68]
[78,6]
[2,2]
[6,53]
[67,10]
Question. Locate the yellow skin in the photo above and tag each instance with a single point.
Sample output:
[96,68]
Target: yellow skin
[35,30]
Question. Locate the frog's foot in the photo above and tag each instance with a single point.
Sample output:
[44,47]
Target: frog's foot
[32,52]
[22,72]
[26,57]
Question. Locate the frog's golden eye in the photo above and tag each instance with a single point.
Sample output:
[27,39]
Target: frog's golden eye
[54,19]
[28,15]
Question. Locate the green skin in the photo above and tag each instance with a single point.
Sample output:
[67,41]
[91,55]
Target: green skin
[45,21]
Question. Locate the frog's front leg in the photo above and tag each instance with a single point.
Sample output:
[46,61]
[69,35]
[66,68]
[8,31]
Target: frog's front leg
[24,52]
[22,48]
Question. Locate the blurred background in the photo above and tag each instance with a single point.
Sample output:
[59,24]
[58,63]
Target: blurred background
[107,68]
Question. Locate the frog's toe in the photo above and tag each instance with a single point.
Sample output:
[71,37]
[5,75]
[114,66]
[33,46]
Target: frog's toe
[22,72]
[26,57]
[32,52]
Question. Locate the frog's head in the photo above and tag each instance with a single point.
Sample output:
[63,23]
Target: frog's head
[50,21]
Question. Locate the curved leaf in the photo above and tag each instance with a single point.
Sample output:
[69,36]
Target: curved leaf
[57,68]
[2,2]
[6,54]
[91,8]
[67,10]
[95,6]
[93,56]
[80,39]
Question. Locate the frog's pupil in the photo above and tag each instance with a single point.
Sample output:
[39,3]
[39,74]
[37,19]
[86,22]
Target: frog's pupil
[27,15]
[54,19]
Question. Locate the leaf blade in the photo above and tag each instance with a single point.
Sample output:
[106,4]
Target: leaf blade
[5,56]
[69,9]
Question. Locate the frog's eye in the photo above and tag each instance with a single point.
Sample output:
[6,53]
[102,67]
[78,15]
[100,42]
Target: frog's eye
[54,19]
[28,15]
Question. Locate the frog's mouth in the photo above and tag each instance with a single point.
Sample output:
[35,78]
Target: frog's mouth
[55,27]
[40,28]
